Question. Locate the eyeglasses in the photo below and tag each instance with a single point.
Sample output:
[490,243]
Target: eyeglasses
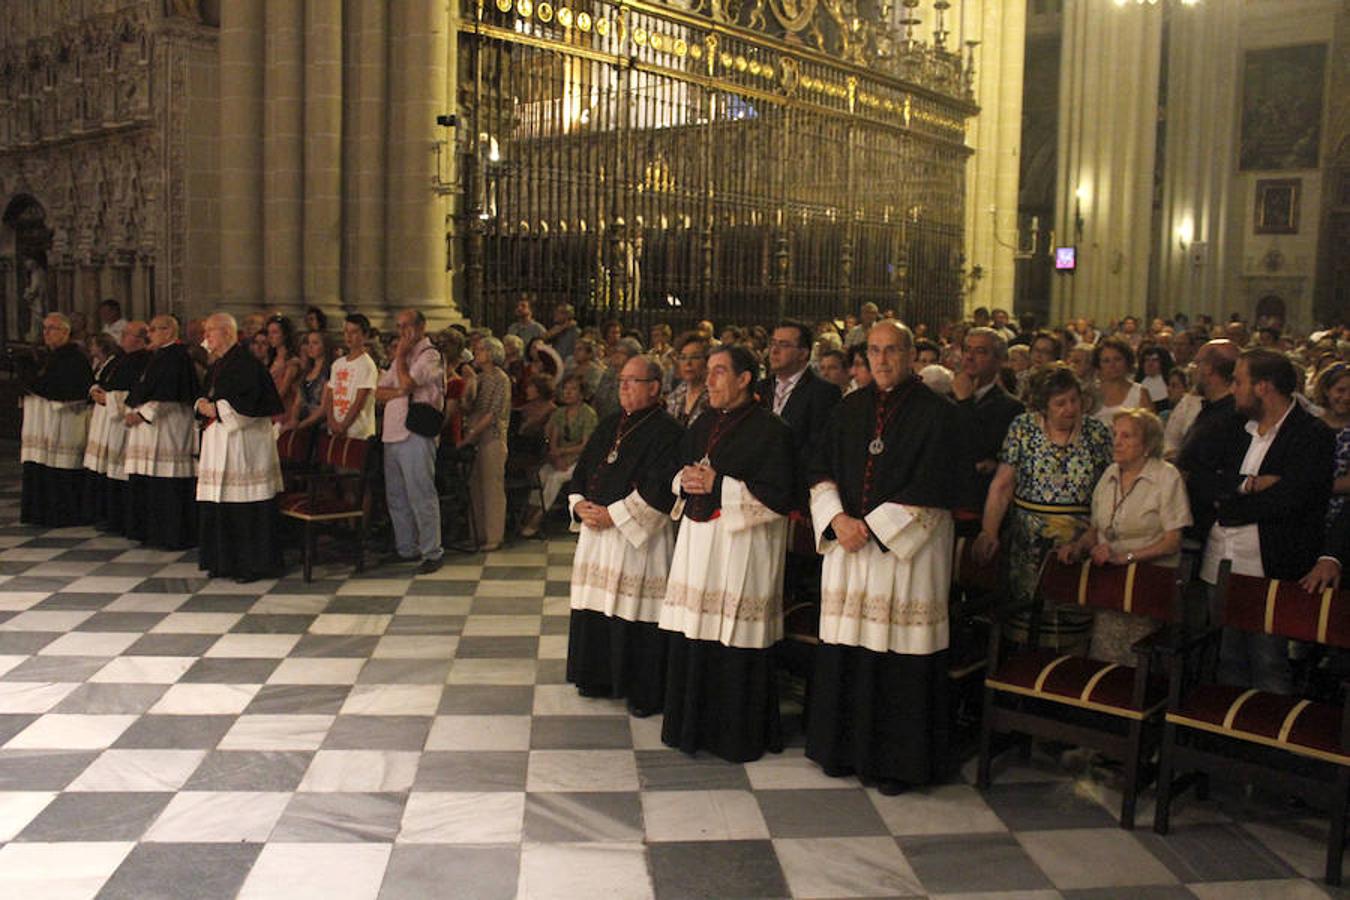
[683,358]
[785,345]
[633,381]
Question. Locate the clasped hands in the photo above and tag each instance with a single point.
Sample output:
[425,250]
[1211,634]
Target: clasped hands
[206,408]
[698,479]
[852,534]
[1101,554]
[593,515]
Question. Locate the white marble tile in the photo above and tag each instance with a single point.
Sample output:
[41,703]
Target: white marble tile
[392,700]
[434,817]
[63,568]
[493,671]
[290,604]
[65,871]
[147,603]
[703,816]
[563,700]
[32,696]
[230,586]
[254,646]
[553,646]
[30,554]
[479,733]
[582,770]
[148,555]
[180,570]
[521,589]
[298,732]
[559,573]
[557,606]
[317,670]
[58,731]
[846,867]
[1001,895]
[18,808]
[501,626]
[789,770]
[416,646]
[568,871]
[18,601]
[205,699]
[196,623]
[519,555]
[1301,843]
[317,872]
[349,624]
[90,643]
[1093,858]
[1286,889]
[9,662]
[435,606]
[139,770]
[108,542]
[454,573]
[46,620]
[375,587]
[647,733]
[218,816]
[942,809]
[144,670]
[361,771]
[103,584]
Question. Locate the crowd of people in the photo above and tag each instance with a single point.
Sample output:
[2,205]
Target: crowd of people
[699,470]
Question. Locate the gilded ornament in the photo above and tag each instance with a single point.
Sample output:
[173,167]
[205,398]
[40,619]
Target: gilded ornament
[640,36]
[754,67]
[602,27]
[545,11]
[524,8]
[504,5]
[728,60]
[681,48]
[658,43]
[741,64]
[695,51]
[583,18]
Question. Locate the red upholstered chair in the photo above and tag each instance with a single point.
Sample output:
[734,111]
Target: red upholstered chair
[1293,744]
[295,450]
[1115,709]
[975,588]
[335,494]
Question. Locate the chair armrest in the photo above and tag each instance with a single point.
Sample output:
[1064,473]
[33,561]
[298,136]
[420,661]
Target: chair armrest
[1172,640]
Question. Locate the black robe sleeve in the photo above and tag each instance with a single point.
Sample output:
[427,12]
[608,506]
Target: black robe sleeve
[128,371]
[644,454]
[243,382]
[64,376]
[169,377]
[757,451]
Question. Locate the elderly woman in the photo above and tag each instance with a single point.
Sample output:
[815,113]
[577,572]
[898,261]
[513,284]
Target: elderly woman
[689,399]
[489,420]
[569,428]
[1051,460]
[1139,508]
[585,365]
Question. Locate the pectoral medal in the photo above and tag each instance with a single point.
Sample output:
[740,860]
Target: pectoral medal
[877,447]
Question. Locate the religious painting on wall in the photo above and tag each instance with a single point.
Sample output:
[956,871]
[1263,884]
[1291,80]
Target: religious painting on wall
[1277,205]
[1282,107]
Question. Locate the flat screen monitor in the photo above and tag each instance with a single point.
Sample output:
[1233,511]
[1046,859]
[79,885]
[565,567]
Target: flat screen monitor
[1066,259]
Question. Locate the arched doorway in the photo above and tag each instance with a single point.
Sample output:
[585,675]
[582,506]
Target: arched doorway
[25,237]
[1270,312]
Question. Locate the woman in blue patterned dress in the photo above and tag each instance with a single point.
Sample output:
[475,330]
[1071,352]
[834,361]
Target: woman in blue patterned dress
[1051,460]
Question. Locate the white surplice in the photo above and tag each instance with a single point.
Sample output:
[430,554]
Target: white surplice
[239,461]
[885,601]
[54,432]
[726,578]
[622,571]
[105,452]
[162,445]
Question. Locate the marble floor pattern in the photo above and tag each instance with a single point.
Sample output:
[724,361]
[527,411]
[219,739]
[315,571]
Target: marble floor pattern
[391,736]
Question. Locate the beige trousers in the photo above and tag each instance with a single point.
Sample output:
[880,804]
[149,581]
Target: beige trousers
[487,490]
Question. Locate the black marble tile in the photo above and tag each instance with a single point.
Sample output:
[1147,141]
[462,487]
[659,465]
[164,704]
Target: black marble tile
[156,871]
[972,863]
[496,770]
[716,869]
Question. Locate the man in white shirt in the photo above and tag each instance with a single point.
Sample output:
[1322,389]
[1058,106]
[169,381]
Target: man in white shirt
[351,384]
[110,314]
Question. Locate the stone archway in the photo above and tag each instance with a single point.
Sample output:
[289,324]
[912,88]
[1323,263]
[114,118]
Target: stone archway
[1271,310]
[25,236]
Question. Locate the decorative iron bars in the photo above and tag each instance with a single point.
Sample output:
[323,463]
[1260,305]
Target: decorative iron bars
[655,164]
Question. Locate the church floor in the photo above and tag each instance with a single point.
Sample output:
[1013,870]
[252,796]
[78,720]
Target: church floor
[394,736]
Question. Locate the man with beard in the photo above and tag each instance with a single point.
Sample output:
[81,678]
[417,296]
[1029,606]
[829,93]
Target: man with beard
[106,476]
[161,511]
[55,427]
[736,483]
[240,473]
[1272,495]
[621,504]
[882,487]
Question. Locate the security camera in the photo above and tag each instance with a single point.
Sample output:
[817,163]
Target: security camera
[447,121]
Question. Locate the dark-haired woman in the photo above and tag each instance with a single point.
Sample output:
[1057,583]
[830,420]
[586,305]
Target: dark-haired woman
[283,362]
[1155,367]
[1114,361]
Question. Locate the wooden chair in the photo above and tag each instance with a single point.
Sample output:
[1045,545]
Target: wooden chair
[335,494]
[975,589]
[295,451]
[1292,744]
[1115,709]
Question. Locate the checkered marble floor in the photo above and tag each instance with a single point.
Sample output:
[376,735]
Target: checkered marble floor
[392,736]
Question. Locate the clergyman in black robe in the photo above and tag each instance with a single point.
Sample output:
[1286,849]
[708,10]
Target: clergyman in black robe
[105,484]
[55,427]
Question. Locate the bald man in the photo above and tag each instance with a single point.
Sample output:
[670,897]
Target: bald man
[1204,447]
[105,487]
[55,427]
[161,471]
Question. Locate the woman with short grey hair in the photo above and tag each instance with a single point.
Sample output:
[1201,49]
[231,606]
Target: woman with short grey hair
[489,420]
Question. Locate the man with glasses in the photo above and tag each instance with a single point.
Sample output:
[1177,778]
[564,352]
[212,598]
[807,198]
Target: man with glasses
[794,391]
[161,490]
[620,505]
[55,427]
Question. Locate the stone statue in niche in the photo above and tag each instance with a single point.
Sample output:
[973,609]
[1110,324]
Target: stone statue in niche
[183,9]
[35,298]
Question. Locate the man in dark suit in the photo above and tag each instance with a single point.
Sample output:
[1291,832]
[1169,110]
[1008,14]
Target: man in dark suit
[984,411]
[1206,447]
[796,393]
[1270,505]
[1335,553]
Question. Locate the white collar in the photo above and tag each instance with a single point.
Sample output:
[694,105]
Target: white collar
[1252,425]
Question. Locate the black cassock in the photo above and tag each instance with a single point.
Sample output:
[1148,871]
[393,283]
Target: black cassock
[242,540]
[52,494]
[722,698]
[161,510]
[886,714]
[105,499]
[608,655]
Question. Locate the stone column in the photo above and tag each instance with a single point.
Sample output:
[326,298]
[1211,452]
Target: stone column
[415,246]
[1199,159]
[993,172]
[283,156]
[241,155]
[1107,136]
[365,76]
[323,133]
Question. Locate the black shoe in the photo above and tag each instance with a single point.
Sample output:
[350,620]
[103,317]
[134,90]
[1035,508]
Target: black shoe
[245,579]
[392,558]
[890,787]
[838,771]
[430,565]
